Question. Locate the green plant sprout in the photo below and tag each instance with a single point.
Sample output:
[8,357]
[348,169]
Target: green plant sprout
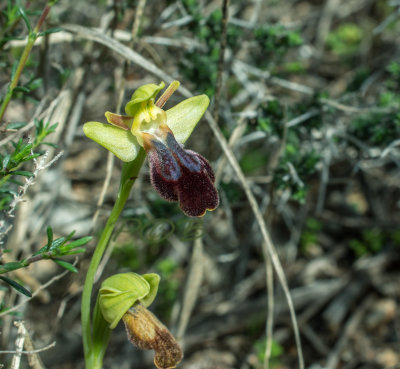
[346,39]
[11,162]
[53,250]
[33,35]
[276,352]
[178,175]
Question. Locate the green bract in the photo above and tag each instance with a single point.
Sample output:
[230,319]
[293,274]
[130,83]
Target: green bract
[121,291]
[124,137]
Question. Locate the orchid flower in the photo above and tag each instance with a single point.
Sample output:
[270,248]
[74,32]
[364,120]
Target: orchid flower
[177,174]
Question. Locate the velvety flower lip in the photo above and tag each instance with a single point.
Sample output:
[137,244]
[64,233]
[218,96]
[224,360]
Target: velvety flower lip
[181,175]
[166,163]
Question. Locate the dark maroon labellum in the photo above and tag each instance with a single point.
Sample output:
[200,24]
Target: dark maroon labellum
[181,175]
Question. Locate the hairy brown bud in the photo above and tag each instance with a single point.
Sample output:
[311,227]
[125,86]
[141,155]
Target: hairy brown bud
[147,332]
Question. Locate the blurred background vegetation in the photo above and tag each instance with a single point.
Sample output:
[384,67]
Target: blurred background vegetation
[309,103]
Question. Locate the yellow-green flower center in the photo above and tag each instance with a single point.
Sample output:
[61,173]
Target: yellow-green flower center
[148,119]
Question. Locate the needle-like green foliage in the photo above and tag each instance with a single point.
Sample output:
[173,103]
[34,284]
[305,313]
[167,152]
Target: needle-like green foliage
[54,250]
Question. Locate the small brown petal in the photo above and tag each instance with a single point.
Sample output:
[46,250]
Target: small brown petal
[147,332]
[121,121]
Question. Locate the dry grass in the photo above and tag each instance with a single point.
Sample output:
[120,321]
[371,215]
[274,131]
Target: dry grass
[217,291]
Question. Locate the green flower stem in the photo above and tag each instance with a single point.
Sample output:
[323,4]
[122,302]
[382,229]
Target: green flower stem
[22,61]
[129,174]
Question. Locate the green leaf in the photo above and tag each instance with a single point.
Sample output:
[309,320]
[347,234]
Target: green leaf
[17,286]
[16,125]
[49,237]
[21,152]
[49,144]
[50,30]
[22,89]
[66,265]
[71,252]
[30,157]
[24,173]
[76,243]
[70,236]
[57,243]
[35,84]
[25,18]
[40,251]
[8,267]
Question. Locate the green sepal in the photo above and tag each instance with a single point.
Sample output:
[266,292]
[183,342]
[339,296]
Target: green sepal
[120,142]
[142,94]
[120,292]
[183,117]
[153,280]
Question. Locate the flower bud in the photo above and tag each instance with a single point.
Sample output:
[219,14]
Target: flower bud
[121,291]
[147,332]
